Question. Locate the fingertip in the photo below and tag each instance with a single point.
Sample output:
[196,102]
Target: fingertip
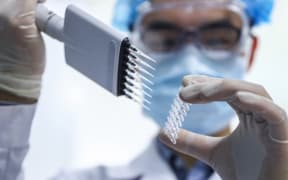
[162,136]
[190,93]
[186,80]
[194,79]
[164,139]
[182,94]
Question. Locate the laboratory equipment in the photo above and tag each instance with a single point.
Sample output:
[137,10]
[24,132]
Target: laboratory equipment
[101,53]
[175,118]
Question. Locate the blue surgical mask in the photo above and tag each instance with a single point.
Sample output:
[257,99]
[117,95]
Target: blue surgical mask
[202,118]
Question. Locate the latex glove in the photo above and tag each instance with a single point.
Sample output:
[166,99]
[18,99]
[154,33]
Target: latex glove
[22,52]
[257,149]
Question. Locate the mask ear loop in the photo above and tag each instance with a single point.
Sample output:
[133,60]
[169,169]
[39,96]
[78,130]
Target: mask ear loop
[255,43]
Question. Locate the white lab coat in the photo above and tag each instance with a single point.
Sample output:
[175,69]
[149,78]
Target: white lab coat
[148,166]
[15,125]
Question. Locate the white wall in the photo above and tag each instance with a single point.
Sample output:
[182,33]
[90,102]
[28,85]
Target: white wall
[79,125]
[271,65]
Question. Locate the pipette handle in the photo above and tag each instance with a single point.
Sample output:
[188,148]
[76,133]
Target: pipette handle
[50,23]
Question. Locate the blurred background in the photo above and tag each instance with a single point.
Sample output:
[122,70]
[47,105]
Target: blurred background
[79,125]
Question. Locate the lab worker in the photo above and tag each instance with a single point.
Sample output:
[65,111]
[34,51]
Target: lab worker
[22,62]
[210,37]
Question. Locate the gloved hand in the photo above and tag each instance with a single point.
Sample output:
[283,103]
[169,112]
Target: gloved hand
[22,52]
[257,149]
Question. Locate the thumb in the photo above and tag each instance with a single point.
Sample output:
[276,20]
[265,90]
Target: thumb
[198,146]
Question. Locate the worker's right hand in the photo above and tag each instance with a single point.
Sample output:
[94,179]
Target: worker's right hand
[22,52]
[257,149]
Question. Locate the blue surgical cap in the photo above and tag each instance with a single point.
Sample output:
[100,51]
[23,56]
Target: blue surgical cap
[125,12]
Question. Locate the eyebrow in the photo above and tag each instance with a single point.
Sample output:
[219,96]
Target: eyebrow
[221,23]
[159,25]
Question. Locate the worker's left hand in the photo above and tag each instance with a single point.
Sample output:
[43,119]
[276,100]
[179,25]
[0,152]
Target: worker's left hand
[22,52]
[257,149]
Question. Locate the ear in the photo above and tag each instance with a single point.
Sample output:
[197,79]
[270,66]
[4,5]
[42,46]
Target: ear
[254,47]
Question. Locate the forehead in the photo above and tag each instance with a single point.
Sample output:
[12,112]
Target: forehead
[163,1]
[196,17]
